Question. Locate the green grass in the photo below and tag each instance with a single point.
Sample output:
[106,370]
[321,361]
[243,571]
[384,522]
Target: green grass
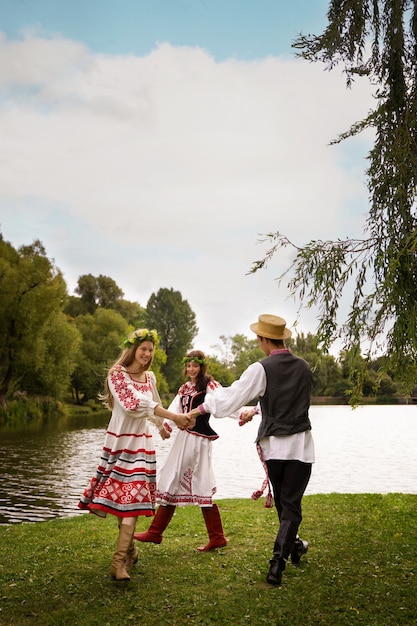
[360,569]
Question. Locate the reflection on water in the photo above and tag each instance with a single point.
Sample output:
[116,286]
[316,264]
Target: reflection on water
[44,473]
[368,450]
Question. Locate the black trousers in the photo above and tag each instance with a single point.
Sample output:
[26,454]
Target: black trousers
[289,480]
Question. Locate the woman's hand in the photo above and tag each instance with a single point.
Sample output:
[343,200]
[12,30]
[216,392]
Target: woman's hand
[191,420]
[246,416]
[182,420]
[165,434]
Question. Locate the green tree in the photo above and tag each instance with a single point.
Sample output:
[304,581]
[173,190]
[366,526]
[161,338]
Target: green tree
[87,290]
[224,351]
[101,291]
[175,321]
[376,40]
[245,351]
[32,293]
[132,312]
[219,371]
[383,383]
[74,307]
[327,373]
[359,371]
[51,358]
[101,333]
[108,292]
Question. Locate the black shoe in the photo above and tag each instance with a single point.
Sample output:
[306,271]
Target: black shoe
[274,576]
[300,548]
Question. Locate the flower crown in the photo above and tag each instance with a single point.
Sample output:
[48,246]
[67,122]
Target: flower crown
[140,335]
[193,359]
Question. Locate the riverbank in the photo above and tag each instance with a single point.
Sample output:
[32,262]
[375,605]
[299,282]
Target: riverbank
[365,401]
[360,569]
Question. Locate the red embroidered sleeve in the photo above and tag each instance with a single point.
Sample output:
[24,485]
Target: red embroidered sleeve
[127,398]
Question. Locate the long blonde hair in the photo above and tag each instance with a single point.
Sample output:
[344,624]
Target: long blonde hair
[125,358]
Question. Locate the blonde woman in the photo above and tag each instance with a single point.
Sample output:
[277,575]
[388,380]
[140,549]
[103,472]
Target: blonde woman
[124,483]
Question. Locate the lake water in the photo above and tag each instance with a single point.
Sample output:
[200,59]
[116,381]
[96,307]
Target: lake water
[370,449]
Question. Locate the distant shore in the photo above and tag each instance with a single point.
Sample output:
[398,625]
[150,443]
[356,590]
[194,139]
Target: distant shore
[365,400]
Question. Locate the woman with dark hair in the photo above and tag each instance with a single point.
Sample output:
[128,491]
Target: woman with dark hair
[187,476]
[125,480]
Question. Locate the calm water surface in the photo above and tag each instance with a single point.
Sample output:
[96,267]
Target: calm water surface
[367,450]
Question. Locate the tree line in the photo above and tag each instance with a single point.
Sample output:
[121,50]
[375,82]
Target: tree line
[60,346]
[56,345]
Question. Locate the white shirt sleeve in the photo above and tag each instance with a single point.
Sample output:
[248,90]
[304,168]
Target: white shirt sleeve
[211,389]
[226,400]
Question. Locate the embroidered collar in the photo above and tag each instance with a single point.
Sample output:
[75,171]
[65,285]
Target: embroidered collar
[279,350]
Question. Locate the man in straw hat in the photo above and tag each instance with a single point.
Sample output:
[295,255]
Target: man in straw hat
[282,384]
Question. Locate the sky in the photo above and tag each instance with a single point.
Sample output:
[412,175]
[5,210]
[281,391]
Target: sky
[157,141]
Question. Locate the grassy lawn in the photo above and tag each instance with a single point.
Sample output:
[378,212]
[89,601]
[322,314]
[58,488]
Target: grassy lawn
[360,569]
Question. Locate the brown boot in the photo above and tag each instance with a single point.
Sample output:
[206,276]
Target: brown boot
[118,567]
[159,523]
[214,528]
[132,555]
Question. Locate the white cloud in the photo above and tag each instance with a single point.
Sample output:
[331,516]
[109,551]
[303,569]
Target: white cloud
[161,171]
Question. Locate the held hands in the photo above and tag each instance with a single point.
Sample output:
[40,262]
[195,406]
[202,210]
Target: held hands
[182,420]
[191,419]
[193,414]
[246,416]
[185,420]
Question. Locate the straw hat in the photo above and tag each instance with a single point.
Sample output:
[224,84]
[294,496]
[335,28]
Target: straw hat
[271,327]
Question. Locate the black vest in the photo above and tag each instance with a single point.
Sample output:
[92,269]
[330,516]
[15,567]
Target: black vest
[286,401]
[202,426]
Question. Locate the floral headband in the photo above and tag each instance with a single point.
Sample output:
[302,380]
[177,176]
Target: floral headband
[140,335]
[193,359]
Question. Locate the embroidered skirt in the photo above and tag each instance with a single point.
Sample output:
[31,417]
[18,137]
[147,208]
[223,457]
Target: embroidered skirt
[187,476]
[125,480]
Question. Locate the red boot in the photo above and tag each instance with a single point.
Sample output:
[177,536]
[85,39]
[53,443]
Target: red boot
[214,528]
[159,523]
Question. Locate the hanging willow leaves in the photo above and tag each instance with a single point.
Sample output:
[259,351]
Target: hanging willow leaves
[375,41]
